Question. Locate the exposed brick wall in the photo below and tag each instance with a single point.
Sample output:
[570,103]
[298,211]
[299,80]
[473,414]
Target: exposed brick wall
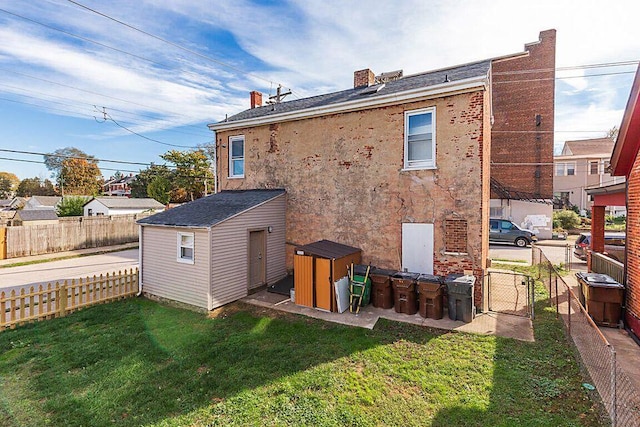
[523,110]
[345,180]
[455,236]
[632,315]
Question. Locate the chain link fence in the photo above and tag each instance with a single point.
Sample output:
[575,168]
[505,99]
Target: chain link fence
[619,395]
[510,293]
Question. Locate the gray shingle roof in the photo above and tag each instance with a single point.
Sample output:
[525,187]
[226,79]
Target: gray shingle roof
[37,214]
[119,202]
[589,147]
[47,200]
[211,210]
[416,81]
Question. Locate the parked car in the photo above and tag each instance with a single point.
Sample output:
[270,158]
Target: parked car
[505,231]
[614,245]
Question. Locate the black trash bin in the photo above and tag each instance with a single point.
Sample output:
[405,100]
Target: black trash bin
[602,297]
[460,296]
[404,292]
[430,296]
[381,292]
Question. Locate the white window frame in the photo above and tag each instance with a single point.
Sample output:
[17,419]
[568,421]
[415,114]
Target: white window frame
[597,172]
[565,168]
[233,139]
[180,245]
[420,164]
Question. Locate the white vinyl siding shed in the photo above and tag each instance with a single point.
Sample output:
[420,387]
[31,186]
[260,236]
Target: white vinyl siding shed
[221,224]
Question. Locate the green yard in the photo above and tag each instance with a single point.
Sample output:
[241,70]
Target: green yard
[136,362]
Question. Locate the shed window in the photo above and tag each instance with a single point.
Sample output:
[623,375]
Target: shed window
[185,247]
[236,156]
[419,139]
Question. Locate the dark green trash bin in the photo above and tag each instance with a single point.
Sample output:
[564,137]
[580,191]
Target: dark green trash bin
[460,296]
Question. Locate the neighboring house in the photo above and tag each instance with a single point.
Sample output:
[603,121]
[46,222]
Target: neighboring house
[583,164]
[399,169]
[115,205]
[42,202]
[17,203]
[118,187]
[216,249]
[625,161]
[35,217]
[523,89]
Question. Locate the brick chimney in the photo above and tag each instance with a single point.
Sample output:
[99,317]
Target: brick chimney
[363,78]
[256,99]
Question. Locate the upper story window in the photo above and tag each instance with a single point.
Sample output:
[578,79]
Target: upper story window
[565,169]
[236,156]
[419,139]
[593,167]
[185,247]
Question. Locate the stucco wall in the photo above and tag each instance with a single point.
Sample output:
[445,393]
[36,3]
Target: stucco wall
[344,178]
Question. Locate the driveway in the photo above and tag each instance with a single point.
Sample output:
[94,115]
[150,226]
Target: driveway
[74,268]
[555,252]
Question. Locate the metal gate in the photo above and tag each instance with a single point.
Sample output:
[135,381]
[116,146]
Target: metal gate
[510,293]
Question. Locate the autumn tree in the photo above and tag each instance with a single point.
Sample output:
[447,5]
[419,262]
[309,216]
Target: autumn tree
[8,184]
[80,176]
[193,171]
[54,161]
[35,187]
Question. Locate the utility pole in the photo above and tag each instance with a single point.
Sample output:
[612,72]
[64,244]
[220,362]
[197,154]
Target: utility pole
[279,96]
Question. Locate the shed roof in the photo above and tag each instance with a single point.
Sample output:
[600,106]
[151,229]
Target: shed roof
[328,249]
[211,210]
[589,147]
[37,214]
[423,80]
[119,202]
[5,203]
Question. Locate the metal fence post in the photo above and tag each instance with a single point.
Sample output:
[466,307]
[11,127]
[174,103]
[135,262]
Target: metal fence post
[614,397]
[557,298]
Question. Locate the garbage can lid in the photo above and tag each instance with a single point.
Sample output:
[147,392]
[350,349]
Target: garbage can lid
[429,278]
[405,275]
[382,272]
[451,277]
[596,278]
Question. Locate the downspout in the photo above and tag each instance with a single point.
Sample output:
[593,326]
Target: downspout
[139,261]
[215,163]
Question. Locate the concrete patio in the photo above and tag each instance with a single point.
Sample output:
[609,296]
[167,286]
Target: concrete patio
[503,325]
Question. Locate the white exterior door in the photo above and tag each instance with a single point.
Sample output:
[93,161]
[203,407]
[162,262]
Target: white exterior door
[417,248]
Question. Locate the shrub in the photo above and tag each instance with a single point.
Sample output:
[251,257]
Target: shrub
[565,219]
[71,206]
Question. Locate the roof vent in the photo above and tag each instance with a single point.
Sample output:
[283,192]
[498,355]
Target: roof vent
[389,76]
[372,89]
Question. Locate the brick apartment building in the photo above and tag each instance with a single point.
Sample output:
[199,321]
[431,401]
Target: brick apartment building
[522,135]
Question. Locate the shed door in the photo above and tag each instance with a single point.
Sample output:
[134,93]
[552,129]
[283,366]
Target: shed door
[257,257]
[417,247]
[303,279]
[323,284]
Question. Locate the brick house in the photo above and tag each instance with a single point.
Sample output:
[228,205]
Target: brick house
[398,166]
[625,161]
[523,96]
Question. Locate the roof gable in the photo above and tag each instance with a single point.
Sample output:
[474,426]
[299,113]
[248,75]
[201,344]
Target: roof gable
[46,200]
[211,210]
[597,147]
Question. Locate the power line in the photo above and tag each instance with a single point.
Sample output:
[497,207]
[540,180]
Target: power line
[41,163]
[198,54]
[142,136]
[569,68]
[35,153]
[563,78]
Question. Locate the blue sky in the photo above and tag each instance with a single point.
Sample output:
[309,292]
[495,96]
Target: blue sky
[57,74]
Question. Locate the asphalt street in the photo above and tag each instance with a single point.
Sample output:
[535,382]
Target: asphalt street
[74,268]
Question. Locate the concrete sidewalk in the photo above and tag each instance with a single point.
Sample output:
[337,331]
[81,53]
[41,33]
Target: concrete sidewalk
[67,254]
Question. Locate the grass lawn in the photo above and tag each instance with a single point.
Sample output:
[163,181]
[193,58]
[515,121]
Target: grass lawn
[136,362]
